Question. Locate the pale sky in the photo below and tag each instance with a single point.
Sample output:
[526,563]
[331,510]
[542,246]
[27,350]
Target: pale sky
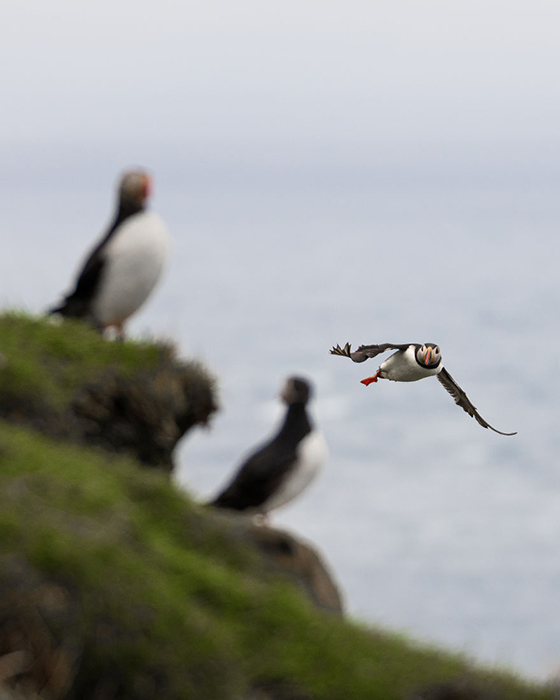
[281,83]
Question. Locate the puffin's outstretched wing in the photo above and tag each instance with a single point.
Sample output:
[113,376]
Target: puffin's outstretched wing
[461,399]
[364,352]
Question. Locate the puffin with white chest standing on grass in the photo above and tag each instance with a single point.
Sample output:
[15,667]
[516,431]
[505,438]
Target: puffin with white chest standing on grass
[411,362]
[124,267]
[283,467]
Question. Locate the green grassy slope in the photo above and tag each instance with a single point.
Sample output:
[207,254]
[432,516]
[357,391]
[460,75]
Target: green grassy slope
[65,380]
[52,361]
[160,601]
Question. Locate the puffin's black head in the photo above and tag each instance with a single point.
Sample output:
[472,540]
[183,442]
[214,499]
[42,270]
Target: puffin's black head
[428,355]
[296,390]
[135,188]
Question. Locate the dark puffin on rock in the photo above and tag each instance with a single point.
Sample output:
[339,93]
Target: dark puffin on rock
[121,271]
[284,466]
[411,362]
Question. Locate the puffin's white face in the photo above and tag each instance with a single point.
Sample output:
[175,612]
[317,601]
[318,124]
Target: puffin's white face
[135,187]
[295,390]
[428,355]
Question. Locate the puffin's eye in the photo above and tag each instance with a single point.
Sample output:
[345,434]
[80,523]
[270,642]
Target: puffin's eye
[436,351]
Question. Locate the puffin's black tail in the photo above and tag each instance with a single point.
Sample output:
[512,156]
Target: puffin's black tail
[224,501]
[57,310]
[71,307]
[233,498]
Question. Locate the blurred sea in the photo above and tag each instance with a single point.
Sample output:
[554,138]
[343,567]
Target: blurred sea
[433,525]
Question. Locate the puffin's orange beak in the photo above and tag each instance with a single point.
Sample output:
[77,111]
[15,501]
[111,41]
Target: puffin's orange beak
[147,186]
[428,358]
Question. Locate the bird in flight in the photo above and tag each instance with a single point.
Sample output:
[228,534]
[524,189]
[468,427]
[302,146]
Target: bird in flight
[411,362]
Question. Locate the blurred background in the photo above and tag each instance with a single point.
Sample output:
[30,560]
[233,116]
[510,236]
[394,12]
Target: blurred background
[332,172]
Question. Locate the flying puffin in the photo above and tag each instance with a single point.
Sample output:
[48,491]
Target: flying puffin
[412,362]
[123,268]
[284,466]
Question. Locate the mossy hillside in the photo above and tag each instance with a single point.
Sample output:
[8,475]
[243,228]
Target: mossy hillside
[54,360]
[167,604]
[136,398]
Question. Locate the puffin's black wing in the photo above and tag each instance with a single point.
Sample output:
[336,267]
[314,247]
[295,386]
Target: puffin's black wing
[364,352]
[461,399]
[258,478]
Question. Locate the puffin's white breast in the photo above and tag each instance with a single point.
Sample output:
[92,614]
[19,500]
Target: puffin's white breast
[402,367]
[312,453]
[134,260]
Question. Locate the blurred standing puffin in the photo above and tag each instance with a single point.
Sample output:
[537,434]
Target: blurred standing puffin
[283,467]
[411,362]
[121,271]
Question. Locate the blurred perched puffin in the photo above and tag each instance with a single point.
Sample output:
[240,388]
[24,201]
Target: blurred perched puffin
[283,467]
[126,264]
[410,363]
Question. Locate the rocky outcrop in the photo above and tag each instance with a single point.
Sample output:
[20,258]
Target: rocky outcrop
[144,416]
[66,381]
[286,554]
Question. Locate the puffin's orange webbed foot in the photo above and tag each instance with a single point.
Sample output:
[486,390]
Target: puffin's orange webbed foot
[370,380]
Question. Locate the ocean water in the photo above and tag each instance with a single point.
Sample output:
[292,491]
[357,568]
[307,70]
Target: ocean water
[431,524]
